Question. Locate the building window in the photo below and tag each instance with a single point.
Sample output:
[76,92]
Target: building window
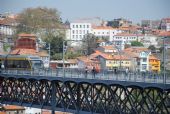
[144,67]
[144,59]
[73,31]
[77,26]
[73,36]
[80,26]
[87,26]
[73,26]
[80,31]
[84,26]
[76,31]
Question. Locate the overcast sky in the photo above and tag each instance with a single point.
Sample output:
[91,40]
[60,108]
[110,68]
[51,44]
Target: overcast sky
[135,10]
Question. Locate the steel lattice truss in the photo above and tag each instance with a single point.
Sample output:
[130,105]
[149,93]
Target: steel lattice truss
[83,96]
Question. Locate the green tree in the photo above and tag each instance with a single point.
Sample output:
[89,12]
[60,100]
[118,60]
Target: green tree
[33,20]
[89,43]
[152,48]
[57,56]
[113,23]
[6,47]
[72,55]
[46,24]
[127,46]
[136,43]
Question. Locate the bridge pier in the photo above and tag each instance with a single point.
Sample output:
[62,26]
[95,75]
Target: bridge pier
[53,97]
[78,98]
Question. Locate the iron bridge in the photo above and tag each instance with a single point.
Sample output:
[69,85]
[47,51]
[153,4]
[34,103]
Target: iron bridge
[80,95]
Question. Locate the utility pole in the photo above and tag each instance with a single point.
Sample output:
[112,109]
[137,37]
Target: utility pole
[164,54]
[64,49]
[63,59]
[49,53]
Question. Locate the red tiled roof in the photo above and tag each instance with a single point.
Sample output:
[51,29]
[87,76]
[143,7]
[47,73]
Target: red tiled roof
[13,107]
[120,57]
[104,55]
[103,27]
[164,33]
[26,35]
[42,53]
[49,112]
[136,49]
[2,112]
[153,57]
[24,51]
[132,54]
[109,47]
[85,59]
[127,34]
[7,21]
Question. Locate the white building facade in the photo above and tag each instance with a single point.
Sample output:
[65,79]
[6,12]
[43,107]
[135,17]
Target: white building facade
[120,40]
[168,26]
[143,61]
[105,31]
[7,29]
[150,40]
[29,110]
[165,24]
[79,30]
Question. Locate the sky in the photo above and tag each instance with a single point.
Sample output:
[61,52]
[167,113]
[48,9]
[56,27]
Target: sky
[134,10]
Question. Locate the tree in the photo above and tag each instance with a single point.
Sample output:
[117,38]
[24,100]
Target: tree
[136,43]
[39,21]
[114,24]
[127,46]
[46,24]
[152,48]
[89,43]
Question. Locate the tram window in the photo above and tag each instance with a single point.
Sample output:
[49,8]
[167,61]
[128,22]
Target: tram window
[37,64]
[18,64]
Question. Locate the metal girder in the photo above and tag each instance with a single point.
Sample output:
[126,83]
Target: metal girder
[84,96]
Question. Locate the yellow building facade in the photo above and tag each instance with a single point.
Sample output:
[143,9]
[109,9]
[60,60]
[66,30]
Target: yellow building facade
[154,64]
[118,62]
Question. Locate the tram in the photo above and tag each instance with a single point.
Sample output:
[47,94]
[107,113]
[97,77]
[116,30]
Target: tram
[20,62]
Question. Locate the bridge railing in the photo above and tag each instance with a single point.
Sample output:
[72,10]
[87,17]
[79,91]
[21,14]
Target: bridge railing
[103,74]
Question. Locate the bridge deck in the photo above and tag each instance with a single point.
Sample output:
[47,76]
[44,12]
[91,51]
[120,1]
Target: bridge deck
[86,94]
[143,82]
